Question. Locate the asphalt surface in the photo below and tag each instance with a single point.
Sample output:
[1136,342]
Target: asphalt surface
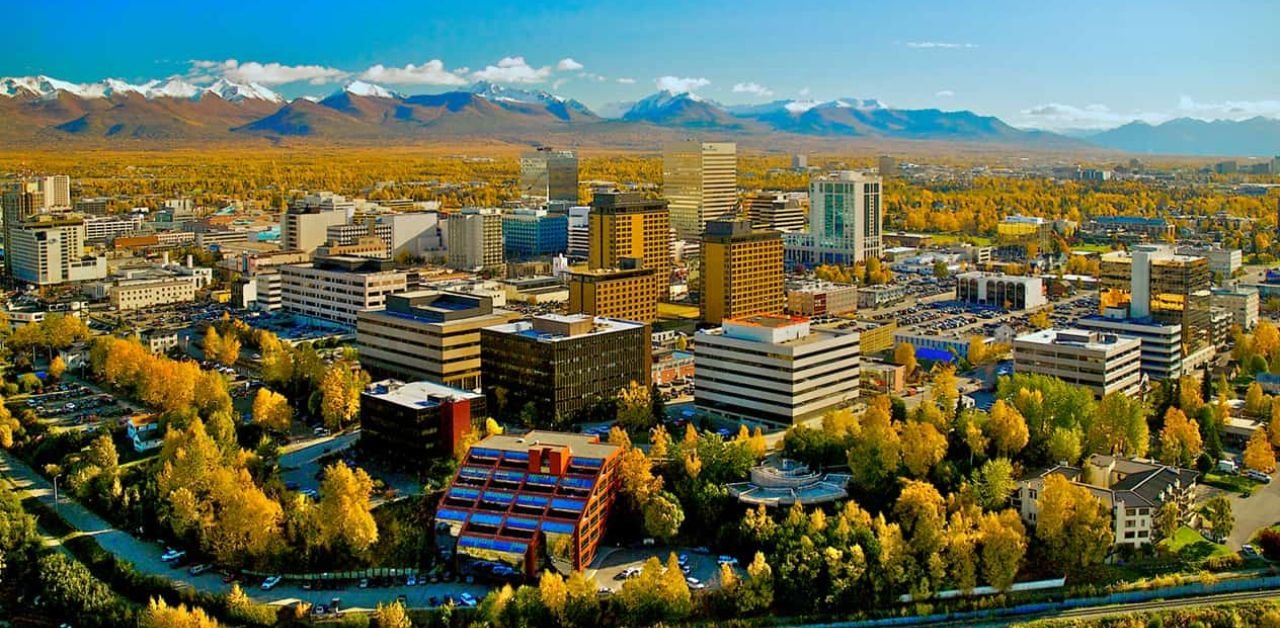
[145,556]
[1259,510]
[612,561]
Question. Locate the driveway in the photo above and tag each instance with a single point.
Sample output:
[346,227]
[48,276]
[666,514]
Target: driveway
[145,556]
[1259,510]
[612,561]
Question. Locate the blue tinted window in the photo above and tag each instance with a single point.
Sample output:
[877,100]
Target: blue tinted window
[557,527]
[573,505]
[451,515]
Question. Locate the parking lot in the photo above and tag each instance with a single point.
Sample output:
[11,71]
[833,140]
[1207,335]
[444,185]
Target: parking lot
[613,565]
[75,405]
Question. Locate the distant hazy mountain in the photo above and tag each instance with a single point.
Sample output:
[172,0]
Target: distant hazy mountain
[1257,136]
[666,108]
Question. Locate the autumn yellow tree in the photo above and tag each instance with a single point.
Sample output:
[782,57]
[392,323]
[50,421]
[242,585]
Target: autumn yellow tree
[923,447]
[1256,404]
[905,355]
[1007,428]
[57,368]
[161,615]
[1180,441]
[1073,525]
[1258,454]
[271,410]
[345,512]
[1004,543]
[392,615]
[1041,320]
[340,394]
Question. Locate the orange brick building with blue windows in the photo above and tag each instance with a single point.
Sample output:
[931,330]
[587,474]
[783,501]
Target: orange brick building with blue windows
[527,502]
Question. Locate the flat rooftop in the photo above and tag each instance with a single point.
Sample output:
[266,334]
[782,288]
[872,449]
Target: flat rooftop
[587,446]
[1077,337]
[416,394]
[771,321]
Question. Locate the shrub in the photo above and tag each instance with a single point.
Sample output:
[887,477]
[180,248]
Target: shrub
[1269,543]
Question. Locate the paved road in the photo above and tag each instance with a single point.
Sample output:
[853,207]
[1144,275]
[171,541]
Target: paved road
[145,556]
[612,561]
[1261,509]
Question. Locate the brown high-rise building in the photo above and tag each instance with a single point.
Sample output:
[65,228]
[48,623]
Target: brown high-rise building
[629,293]
[627,225]
[741,271]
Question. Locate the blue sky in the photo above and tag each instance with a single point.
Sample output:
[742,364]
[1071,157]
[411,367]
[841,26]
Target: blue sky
[1049,64]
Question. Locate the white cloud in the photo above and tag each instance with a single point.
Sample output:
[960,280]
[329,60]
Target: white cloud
[944,93]
[752,88]
[512,70]
[627,81]
[1230,109]
[567,64]
[939,44]
[432,72]
[804,91]
[266,73]
[679,85]
[1057,116]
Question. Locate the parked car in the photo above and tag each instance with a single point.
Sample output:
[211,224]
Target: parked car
[196,570]
[727,560]
[1249,550]
[271,582]
[173,555]
[364,583]
[1258,476]
[467,600]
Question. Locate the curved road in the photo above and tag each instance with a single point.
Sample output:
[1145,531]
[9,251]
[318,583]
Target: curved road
[145,555]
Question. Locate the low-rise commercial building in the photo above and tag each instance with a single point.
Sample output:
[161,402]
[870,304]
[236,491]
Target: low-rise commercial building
[562,365]
[428,335]
[874,337]
[1222,262]
[821,298]
[1241,301]
[1161,349]
[412,424]
[1131,489]
[775,368]
[1103,363]
[872,297]
[522,504]
[628,293]
[137,294]
[339,288]
[1010,292]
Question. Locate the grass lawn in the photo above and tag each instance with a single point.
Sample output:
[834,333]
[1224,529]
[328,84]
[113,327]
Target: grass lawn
[948,238]
[1188,545]
[1234,483]
[1096,248]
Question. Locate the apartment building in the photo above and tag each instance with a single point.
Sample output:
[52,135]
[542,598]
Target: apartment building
[775,368]
[428,335]
[337,289]
[561,364]
[1132,490]
[1103,363]
[741,271]
[519,500]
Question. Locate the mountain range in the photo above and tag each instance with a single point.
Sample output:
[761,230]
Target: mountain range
[43,109]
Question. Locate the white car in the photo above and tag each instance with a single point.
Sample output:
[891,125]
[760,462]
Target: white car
[271,582]
[467,600]
[727,560]
[172,555]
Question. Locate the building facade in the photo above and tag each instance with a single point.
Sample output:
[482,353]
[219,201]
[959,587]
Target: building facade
[413,424]
[821,298]
[845,221]
[561,365]
[741,271]
[530,233]
[700,181]
[337,289]
[46,250]
[1161,349]
[138,294]
[775,368]
[1010,292]
[305,224]
[1103,363]
[627,225]
[780,211]
[1153,281]
[428,335]
[475,239]
[625,293]
[520,505]
[1242,302]
[549,175]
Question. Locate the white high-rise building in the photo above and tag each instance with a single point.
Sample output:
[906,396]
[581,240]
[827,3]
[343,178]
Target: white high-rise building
[579,231]
[475,239]
[46,251]
[57,191]
[845,221]
[700,183]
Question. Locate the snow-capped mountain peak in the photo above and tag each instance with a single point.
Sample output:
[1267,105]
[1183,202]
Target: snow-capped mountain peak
[361,88]
[493,91]
[172,87]
[237,92]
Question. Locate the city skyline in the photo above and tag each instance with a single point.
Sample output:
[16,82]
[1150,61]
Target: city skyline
[1144,61]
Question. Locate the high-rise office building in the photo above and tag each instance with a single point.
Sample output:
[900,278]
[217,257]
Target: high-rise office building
[700,181]
[629,293]
[627,225]
[549,175]
[475,239]
[1153,282]
[579,243]
[339,288]
[57,191]
[845,221]
[20,201]
[305,225]
[530,233]
[777,210]
[47,250]
[741,271]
